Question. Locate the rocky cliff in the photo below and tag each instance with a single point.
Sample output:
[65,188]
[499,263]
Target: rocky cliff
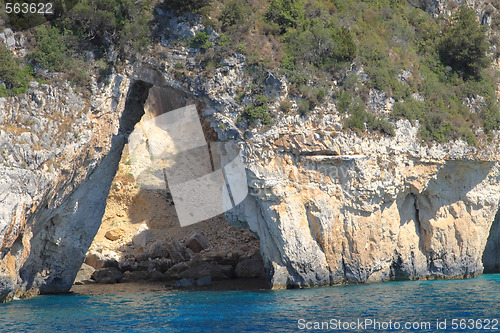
[485,10]
[60,154]
[329,206]
[332,207]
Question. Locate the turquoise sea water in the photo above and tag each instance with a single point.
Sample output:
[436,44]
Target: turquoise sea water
[418,303]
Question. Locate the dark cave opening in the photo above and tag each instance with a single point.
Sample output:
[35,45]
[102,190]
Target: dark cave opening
[491,254]
[134,106]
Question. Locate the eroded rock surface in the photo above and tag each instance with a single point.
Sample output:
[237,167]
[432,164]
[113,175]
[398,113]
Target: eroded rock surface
[328,205]
[332,207]
[58,172]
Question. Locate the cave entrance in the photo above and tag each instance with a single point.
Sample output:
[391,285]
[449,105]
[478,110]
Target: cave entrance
[140,235]
[491,255]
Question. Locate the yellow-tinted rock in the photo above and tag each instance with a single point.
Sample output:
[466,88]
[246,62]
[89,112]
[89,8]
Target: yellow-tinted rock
[349,208]
[114,234]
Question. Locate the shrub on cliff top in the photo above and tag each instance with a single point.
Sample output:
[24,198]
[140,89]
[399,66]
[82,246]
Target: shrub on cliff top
[201,40]
[194,6]
[8,67]
[13,74]
[464,44]
[285,13]
[233,13]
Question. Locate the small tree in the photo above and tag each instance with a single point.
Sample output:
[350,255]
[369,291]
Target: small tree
[52,52]
[195,6]
[286,13]
[201,40]
[8,67]
[464,44]
[233,13]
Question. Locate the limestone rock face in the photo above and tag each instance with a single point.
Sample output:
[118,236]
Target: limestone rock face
[203,269]
[142,238]
[61,152]
[250,268]
[484,9]
[331,207]
[177,251]
[84,274]
[107,275]
[158,249]
[95,260]
[328,205]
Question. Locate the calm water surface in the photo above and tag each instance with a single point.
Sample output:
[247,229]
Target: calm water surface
[416,303]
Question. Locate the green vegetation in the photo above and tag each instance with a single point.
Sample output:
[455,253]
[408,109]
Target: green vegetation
[13,74]
[359,117]
[233,13]
[451,69]
[25,14]
[286,14]
[286,105]
[338,50]
[224,40]
[123,22]
[257,111]
[201,40]
[464,44]
[403,51]
[194,6]
[92,26]
[51,52]
[8,67]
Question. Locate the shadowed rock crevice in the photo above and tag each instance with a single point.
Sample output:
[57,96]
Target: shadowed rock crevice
[491,255]
[134,108]
[404,266]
